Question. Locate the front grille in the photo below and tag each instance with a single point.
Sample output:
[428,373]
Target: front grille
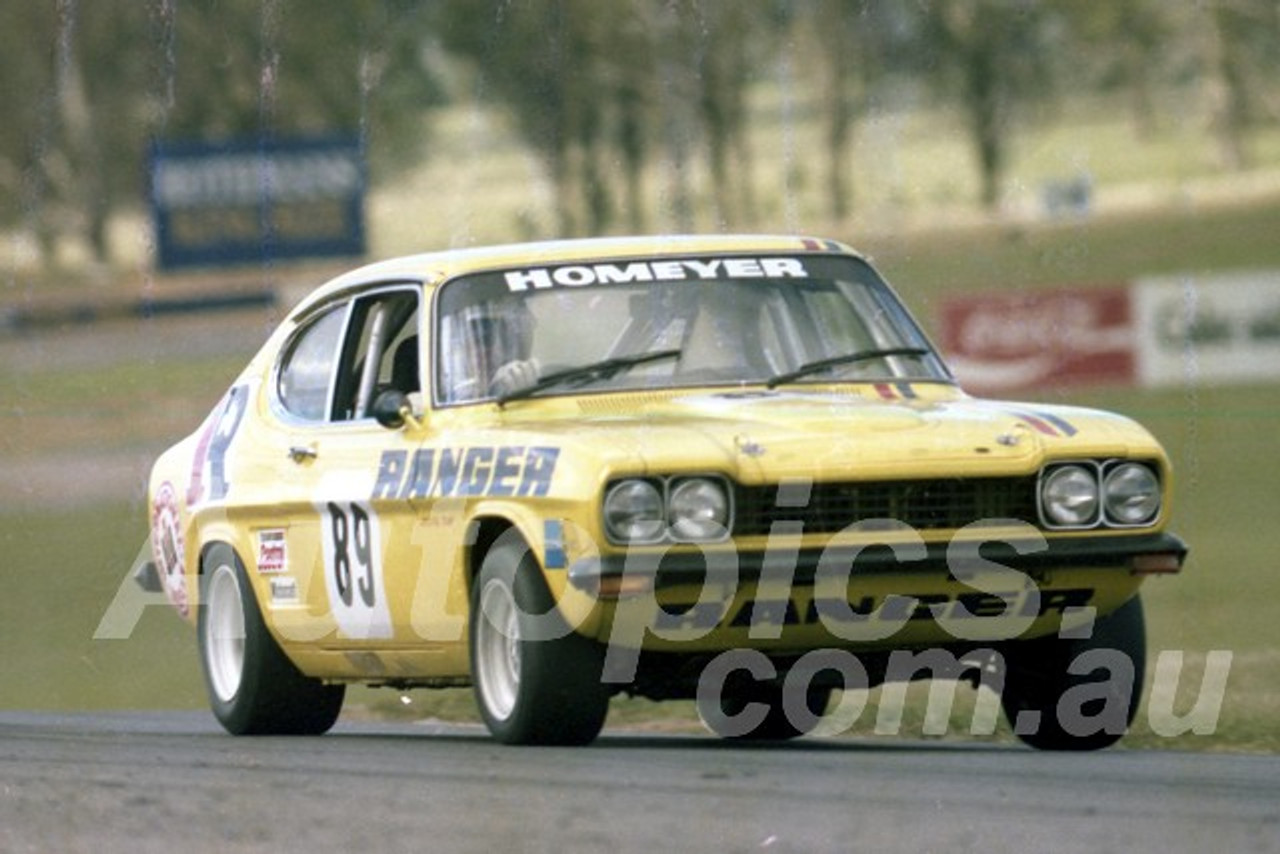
[924,505]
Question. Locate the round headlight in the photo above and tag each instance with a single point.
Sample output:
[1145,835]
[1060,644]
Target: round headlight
[1131,494]
[633,512]
[1069,495]
[698,509]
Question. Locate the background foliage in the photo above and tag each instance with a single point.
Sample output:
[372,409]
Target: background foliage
[603,95]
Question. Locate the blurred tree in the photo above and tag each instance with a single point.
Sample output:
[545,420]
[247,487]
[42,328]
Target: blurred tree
[589,85]
[28,136]
[71,78]
[992,57]
[726,50]
[855,41]
[539,59]
[1241,62]
[675,107]
[89,83]
[601,92]
[633,82]
[839,30]
[1122,44]
[287,67]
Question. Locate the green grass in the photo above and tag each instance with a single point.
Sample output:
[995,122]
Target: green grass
[1107,249]
[112,407]
[62,571]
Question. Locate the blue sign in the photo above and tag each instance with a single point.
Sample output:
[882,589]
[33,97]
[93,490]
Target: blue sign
[253,201]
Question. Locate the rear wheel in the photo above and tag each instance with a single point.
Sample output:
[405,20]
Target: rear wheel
[536,681]
[1078,693]
[254,689]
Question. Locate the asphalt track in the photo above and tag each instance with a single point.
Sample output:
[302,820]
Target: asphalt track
[169,782]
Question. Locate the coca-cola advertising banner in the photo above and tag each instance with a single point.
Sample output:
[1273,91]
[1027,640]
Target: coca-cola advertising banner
[1152,331]
[1005,341]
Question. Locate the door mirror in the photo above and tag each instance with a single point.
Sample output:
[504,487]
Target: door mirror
[392,409]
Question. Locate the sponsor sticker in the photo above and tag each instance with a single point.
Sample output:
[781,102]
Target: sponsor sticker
[272,554]
[672,270]
[506,470]
[284,590]
[168,547]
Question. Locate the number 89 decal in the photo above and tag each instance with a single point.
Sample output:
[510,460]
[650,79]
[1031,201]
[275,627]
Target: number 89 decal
[353,569]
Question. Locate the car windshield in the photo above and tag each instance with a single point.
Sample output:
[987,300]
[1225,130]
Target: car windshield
[740,321]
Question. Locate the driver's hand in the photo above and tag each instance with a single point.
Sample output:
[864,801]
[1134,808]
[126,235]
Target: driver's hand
[513,376]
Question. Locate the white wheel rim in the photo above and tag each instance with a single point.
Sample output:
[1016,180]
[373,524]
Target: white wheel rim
[224,633]
[498,649]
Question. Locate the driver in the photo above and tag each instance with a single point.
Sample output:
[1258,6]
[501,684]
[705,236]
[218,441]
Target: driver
[486,349]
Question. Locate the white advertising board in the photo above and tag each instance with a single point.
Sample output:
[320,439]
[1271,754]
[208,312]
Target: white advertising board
[1196,329]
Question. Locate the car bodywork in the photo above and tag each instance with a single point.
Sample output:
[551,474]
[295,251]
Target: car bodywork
[672,511]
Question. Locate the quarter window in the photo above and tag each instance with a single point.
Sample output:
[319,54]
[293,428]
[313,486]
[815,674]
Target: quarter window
[307,368]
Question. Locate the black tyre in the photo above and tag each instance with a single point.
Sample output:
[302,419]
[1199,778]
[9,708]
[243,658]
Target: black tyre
[1050,707]
[535,681]
[253,688]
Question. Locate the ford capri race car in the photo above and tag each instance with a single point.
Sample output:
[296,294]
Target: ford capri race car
[730,469]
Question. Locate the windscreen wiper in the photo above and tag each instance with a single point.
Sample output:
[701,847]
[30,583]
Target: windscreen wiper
[836,361]
[602,370]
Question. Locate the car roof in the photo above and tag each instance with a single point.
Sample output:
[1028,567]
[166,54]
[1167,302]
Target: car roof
[434,267]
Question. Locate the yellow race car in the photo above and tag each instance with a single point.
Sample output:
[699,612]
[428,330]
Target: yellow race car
[724,468]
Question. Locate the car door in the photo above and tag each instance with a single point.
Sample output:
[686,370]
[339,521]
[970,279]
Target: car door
[331,544]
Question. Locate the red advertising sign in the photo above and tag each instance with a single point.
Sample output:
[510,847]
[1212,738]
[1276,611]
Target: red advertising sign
[1001,342]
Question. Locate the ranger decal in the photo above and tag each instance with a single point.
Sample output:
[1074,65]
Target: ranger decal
[506,470]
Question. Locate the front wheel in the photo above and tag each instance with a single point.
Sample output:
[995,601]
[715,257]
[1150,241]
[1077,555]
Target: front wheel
[1054,697]
[535,680]
[254,689]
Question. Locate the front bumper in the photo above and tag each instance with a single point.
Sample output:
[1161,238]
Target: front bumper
[656,569]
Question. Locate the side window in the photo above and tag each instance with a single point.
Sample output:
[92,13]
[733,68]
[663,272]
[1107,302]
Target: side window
[307,368]
[381,352]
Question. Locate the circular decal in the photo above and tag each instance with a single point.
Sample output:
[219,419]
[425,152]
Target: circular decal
[167,546]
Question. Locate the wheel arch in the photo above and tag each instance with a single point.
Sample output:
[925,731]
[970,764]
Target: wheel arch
[207,548]
[488,529]
[483,532]
[202,564]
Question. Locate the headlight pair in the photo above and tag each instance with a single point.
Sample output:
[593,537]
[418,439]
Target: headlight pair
[682,509]
[1087,494]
